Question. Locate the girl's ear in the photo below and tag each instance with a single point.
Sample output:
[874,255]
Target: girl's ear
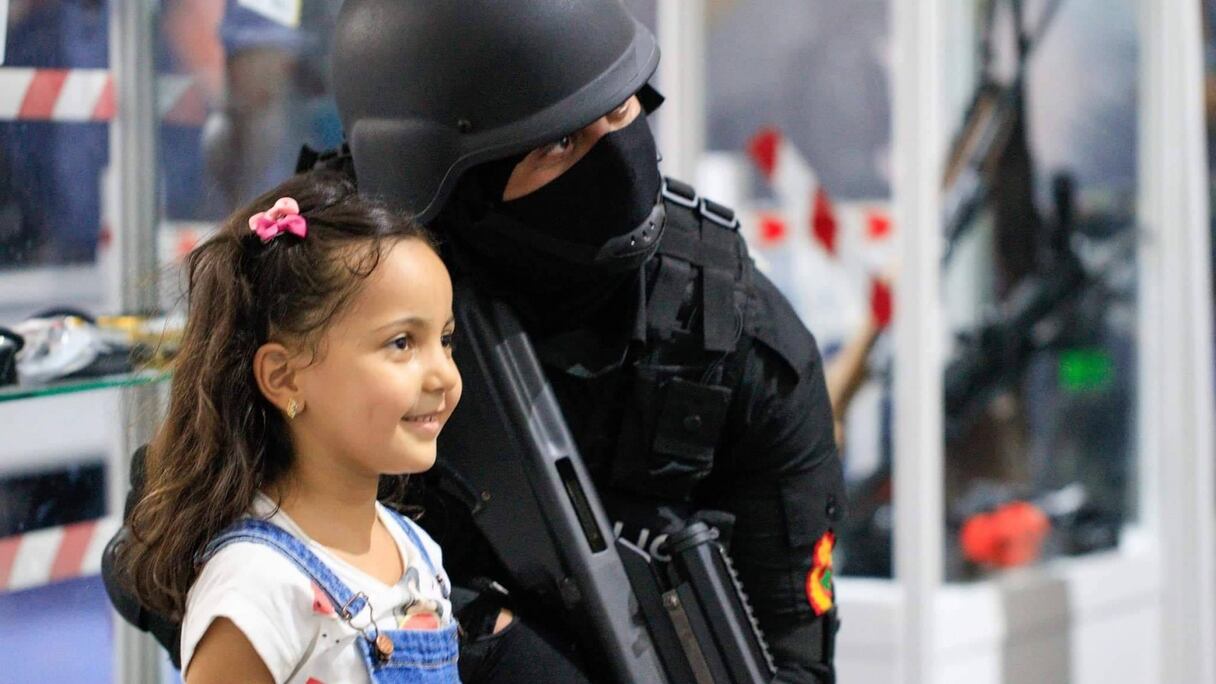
[275,372]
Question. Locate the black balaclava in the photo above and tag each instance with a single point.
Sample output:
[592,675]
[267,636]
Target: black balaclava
[562,253]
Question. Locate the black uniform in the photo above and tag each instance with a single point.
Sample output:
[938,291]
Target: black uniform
[696,390]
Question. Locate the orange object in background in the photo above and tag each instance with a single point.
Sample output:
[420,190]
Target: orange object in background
[1008,537]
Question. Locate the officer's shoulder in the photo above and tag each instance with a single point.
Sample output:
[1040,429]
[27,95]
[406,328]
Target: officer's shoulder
[769,319]
[774,325]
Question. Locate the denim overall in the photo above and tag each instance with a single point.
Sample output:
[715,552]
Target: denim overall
[391,656]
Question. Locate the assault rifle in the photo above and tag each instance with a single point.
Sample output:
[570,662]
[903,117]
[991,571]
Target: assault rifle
[682,622]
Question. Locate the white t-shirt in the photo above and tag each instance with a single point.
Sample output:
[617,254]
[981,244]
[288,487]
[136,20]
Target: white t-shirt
[290,621]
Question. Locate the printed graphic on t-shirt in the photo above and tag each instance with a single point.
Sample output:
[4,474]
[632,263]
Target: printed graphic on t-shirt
[321,604]
[419,612]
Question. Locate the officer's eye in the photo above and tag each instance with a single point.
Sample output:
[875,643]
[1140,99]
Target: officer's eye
[558,147]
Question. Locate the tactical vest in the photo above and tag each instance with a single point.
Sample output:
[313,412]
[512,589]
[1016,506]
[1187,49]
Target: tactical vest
[679,387]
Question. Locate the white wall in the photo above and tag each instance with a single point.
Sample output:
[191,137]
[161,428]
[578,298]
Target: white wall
[1075,621]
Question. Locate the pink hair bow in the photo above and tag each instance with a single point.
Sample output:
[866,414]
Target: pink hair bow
[283,217]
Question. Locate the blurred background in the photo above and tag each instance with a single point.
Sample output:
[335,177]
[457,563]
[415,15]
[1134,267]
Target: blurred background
[992,214]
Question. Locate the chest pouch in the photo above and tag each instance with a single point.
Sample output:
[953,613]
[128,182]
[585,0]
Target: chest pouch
[669,437]
[672,423]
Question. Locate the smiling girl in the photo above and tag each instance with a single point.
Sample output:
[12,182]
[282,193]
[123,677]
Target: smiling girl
[315,375]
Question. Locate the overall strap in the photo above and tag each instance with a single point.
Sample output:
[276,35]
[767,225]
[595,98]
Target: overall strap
[345,602]
[410,530]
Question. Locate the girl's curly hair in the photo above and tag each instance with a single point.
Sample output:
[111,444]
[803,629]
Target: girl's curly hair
[222,440]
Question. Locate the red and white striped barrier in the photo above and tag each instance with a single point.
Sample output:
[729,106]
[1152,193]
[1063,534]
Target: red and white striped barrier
[53,554]
[796,184]
[832,261]
[87,95]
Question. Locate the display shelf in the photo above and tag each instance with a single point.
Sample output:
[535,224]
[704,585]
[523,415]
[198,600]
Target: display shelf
[103,382]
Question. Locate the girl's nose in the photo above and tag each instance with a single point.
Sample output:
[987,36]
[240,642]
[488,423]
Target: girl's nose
[442,374]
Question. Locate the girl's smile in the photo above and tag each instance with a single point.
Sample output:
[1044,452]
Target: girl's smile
[425,425]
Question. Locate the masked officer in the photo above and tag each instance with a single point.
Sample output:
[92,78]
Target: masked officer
[517,131]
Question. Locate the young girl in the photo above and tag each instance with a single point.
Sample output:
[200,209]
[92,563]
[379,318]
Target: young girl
[316,373]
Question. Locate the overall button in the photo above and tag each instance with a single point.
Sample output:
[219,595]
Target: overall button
[384,647]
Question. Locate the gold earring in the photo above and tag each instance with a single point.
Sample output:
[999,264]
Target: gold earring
[293,409]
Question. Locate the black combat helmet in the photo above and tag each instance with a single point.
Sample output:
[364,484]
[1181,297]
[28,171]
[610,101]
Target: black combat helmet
[429,88]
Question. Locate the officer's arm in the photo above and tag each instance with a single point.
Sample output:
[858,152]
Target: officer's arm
[166,631]
[782,479]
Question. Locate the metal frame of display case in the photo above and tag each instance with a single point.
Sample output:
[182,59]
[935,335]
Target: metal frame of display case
[1177,409]
[681,121]
[917,152]
[133,142]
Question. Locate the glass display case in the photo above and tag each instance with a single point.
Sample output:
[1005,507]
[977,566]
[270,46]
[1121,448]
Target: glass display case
[127,130]
[1005,437]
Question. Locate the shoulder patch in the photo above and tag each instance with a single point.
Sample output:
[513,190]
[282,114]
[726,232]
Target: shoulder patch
[819,585]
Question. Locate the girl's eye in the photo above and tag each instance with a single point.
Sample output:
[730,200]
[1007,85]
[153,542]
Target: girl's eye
[447,341]
[558,147]
[402,342]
